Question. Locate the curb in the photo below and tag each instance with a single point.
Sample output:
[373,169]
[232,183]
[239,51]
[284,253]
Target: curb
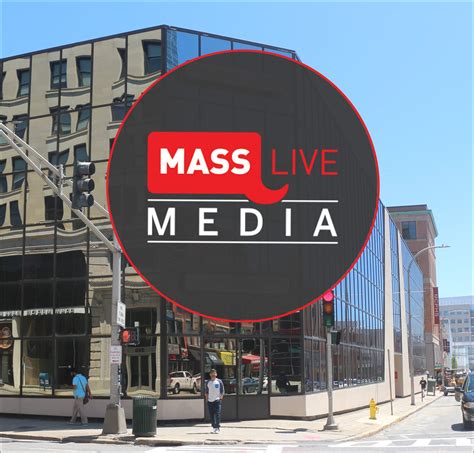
[151,441]
[386,425]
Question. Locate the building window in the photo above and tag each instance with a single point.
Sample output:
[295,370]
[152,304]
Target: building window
[120,108]
[19,167]
[409,230]
[83,118]
[53,209]
[84,66]
[15,218]
[58,74]
[152,53]
[80,153]
[58,158]
[23,82]
[123,61]
[64,122]
[3,213]
[3,178]
[20,122]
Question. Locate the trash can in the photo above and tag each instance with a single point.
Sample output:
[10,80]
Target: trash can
[144,416]
[431,386]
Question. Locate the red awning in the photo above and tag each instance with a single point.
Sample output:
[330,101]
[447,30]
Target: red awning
[250,358]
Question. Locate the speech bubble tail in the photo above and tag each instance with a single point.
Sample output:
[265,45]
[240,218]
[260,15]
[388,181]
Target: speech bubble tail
[265,195]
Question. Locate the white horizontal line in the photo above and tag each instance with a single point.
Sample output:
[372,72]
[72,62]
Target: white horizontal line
[230,200]
[245,242]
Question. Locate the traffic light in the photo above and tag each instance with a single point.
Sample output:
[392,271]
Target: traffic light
[83,185]
[328,309]
[335,337]
[130,336]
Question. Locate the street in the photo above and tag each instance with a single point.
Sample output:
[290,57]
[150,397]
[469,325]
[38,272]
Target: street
[436,428]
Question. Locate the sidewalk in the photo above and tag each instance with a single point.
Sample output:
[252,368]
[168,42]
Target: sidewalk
[352,425]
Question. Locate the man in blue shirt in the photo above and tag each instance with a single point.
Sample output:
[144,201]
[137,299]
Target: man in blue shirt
[81,391]
[214,396]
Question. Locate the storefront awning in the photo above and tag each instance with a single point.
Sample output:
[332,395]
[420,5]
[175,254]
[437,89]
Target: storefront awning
[213,358]
[250,358]
[227,357]
[210,358]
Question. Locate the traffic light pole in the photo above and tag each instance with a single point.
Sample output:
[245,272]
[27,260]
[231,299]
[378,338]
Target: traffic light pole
[114,421]
[330,423]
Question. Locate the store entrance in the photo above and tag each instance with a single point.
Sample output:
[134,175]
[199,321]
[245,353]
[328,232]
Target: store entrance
[141,372]
[242,365]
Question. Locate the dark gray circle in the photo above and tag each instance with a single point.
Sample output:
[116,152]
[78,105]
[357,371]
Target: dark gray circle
[291,107]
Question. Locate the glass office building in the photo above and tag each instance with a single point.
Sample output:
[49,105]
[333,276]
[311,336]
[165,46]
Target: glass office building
[55,275]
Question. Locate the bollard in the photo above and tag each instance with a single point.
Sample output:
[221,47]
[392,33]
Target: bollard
[373,409]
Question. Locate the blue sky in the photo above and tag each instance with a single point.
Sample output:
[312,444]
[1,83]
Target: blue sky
[407,67]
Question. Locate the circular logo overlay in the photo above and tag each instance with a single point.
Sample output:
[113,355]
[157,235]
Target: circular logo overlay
[242,186]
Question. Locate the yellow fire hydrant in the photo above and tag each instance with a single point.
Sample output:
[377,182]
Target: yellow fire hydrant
[373,410]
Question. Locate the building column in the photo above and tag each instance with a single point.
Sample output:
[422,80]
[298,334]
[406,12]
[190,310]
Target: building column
[402,365]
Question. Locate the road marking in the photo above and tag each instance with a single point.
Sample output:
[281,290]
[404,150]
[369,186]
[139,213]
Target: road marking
[417,443]
[421,443]
[463,441]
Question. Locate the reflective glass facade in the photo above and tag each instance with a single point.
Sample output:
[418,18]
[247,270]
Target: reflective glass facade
[396,302]
[56,278]
[417,309]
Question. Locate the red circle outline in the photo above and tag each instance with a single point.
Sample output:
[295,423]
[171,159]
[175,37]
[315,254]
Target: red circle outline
[350,105]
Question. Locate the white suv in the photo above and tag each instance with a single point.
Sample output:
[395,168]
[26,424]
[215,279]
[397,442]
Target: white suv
[182,380]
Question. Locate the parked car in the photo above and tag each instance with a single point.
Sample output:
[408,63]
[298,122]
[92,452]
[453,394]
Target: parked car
[249,385]
[465,395]
[182,380]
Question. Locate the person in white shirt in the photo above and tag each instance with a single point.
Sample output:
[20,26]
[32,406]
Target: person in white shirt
[214,396]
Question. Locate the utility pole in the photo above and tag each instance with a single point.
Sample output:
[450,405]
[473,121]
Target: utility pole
[330,423]
[114,420]
[328,322]
[410,333]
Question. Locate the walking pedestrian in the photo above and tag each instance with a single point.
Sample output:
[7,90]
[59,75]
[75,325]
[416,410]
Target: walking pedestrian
[423,386]
[214,396]
[82,394]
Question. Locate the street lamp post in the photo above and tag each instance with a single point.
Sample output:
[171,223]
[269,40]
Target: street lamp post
[410,333]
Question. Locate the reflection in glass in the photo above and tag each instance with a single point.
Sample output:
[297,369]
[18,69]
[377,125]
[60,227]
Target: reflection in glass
[209,45]
[254,363]
[15,217]
[19,168]
[9,359]
[23,82]
[182,47]
[80,153]
[221,354]
[37,366]
[63,118]
[83,117]
[286,365]
[58,74]
[139,370]
[244,46]
[152,55]
[71,353]
[184,366]
[21,123]
[84,71]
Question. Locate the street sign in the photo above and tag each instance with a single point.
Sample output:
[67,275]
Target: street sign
[121,311]
[115,355]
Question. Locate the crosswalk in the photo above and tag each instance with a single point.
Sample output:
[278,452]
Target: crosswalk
[435,442]
[273,448]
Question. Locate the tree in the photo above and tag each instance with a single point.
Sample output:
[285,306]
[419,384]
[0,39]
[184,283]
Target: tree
[454,363]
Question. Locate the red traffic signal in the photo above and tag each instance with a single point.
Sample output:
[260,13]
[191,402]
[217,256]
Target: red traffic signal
[328,309]
[130,336]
